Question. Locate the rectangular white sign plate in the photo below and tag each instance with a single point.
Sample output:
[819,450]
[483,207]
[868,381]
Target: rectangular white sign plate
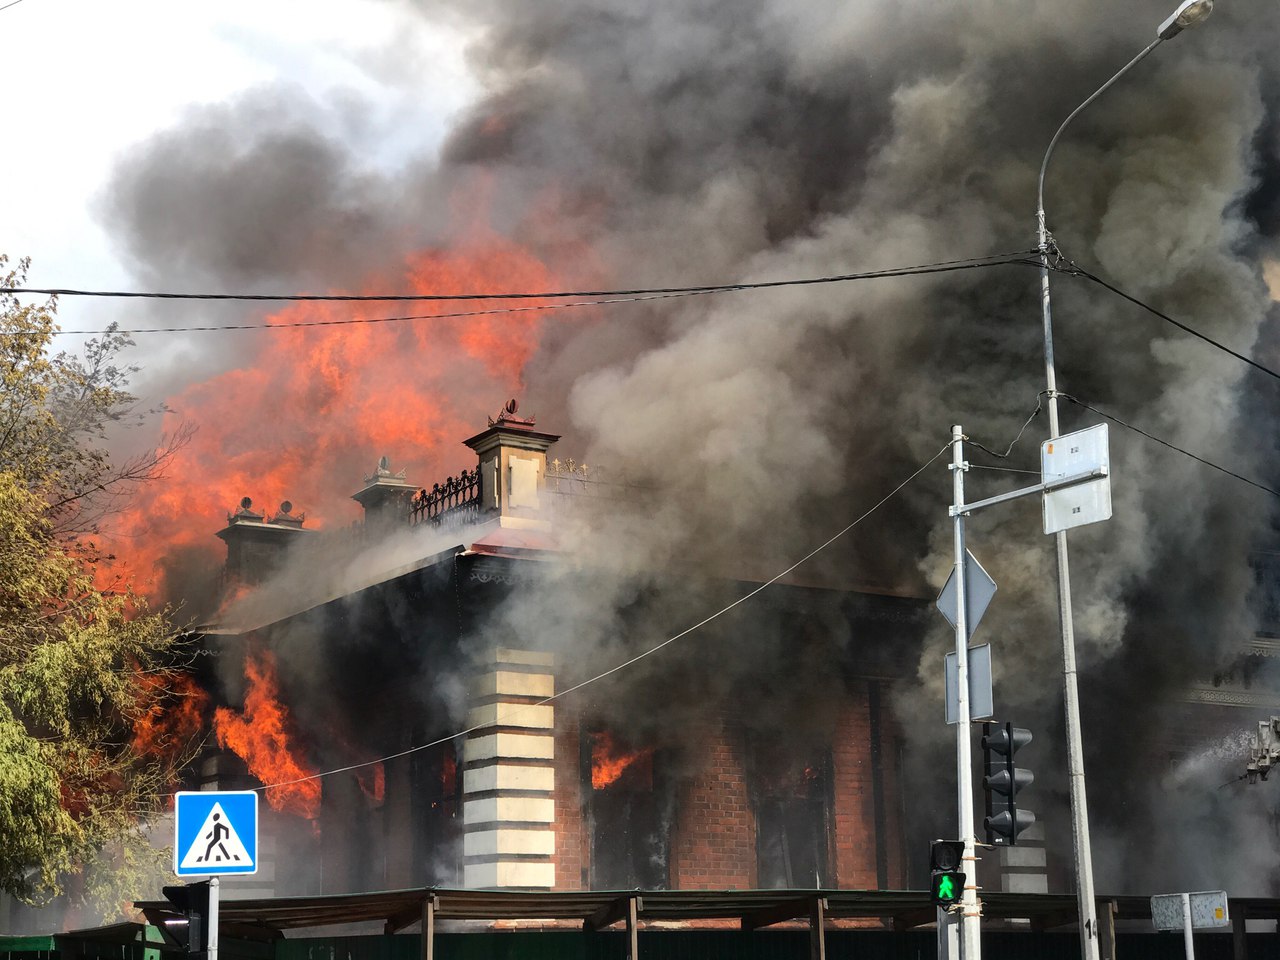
[1208,909]
[1070,455]
[981,700]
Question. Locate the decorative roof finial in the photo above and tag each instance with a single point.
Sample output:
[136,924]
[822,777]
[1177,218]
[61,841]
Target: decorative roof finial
[508,415]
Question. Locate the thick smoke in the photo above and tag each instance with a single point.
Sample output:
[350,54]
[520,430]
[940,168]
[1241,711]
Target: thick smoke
[757,141]
[714,141]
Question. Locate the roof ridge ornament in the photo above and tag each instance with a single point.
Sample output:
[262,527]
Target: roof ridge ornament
[383,471]
[508,415]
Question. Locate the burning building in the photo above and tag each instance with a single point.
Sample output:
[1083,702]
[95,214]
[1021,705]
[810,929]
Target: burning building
[446,721]
[680,145]
[460,692]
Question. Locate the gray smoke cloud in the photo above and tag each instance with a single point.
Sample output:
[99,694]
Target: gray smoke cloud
[710,142]
[764,141]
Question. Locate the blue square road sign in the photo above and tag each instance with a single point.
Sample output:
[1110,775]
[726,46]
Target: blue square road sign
[215,833]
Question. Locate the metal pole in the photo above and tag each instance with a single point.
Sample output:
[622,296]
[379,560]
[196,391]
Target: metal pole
[970,912]
[1071,697]
[948,942]
[1188,943]
[213,920]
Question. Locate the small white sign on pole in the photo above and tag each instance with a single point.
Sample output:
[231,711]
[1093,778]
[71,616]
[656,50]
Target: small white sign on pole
[1074,455]
[981,701]
[1208,909]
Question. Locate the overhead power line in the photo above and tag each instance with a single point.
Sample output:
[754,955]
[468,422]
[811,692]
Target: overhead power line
[1186,453]
[344,321]
[969,263]
[1079,271]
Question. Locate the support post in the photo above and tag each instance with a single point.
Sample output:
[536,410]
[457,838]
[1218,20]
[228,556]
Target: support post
[633,931]
[970,908]
[212,939]
[1239,932]
[817,929]
[1107,930]
[948,936]
[429,928]
[1188,942]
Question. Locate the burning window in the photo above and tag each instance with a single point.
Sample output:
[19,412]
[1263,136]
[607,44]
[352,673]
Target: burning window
[438,846]
[629,818]
[791,793]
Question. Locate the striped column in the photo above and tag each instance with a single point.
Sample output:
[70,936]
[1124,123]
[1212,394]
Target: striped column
[508,778]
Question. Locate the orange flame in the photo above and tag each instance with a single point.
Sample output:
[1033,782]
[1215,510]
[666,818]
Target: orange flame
[310,409]
[610,760]
[172,715]
[261,737]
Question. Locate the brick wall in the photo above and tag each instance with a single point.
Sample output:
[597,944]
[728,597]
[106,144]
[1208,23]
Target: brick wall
[853,808]
[714,842]
[573,845]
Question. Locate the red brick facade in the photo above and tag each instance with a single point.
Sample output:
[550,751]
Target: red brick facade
[854,797]
[573,846]
[714,841]
[713,837]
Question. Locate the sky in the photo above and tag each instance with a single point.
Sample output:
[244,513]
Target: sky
[88,81]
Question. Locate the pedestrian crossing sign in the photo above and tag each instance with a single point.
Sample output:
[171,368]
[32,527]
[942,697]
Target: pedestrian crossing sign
[215,833]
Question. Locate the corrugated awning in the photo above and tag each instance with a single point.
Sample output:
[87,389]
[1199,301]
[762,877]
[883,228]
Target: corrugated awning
[269,918]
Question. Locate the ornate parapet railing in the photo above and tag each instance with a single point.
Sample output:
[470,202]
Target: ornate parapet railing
[569,485]
[456,501]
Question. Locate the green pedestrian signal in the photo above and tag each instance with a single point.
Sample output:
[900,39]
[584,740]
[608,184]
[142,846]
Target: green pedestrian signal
[946,882]
[947,887]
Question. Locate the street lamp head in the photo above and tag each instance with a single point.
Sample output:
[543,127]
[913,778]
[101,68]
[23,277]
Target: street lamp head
[1188,14]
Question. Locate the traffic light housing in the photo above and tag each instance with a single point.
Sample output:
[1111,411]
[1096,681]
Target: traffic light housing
[1004,780]
[946,879]
[192,901]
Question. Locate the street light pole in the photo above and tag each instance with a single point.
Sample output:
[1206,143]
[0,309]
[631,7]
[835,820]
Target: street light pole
[1188,13]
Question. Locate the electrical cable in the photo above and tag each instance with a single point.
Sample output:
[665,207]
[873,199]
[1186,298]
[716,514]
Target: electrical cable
[634,660]
[1166,443]
[351,320]
[12,3]
[1009,449]
[1078,271]
[942,266]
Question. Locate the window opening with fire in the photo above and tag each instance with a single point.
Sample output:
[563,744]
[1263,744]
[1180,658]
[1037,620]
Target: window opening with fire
[628,806]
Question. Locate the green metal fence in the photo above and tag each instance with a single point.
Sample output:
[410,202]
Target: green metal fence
[654,945]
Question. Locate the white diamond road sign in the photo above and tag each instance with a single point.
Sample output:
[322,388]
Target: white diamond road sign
[979,589]
[215,833]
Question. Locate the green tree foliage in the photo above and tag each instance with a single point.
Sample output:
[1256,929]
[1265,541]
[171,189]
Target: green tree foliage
[96,716]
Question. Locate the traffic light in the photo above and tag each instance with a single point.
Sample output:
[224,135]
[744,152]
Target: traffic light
[1003,781]
[946,879]
[192,901]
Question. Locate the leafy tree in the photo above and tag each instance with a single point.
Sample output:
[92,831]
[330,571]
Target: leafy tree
[96,715]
